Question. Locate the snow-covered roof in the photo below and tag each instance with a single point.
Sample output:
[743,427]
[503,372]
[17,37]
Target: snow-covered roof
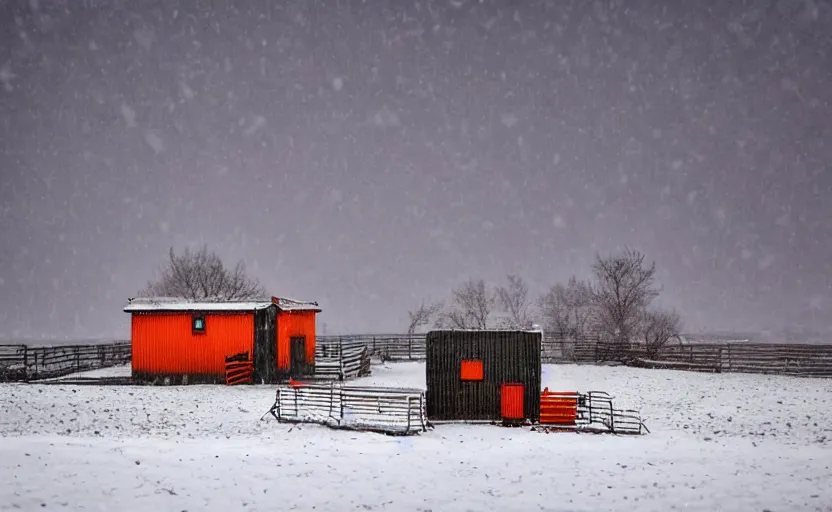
[142,304]
[295,305]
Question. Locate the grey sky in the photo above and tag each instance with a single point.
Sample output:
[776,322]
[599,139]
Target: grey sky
[370,154]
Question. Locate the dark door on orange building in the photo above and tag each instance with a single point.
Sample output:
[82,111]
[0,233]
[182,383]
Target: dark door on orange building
[297,349]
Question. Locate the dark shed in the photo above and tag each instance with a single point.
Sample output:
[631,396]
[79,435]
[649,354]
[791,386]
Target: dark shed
[483,375]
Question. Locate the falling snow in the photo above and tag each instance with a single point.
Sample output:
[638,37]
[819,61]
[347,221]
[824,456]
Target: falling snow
[256,124]
[338,146]
[129,115]
[6,77]
[154,141]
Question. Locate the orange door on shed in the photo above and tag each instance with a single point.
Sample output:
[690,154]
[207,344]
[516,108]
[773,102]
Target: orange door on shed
[164,343]
[511,402]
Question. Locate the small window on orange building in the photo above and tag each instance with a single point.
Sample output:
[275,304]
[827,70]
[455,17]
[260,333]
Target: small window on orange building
[198,324]
[470,370]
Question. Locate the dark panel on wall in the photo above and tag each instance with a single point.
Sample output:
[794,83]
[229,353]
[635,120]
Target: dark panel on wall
[265,346]
[508,357]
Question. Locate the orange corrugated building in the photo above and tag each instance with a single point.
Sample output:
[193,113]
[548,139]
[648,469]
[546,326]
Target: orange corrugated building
[191,342]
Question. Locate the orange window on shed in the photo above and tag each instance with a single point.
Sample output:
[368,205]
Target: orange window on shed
[470,370]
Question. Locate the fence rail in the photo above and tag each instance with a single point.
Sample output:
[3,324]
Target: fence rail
[25,363]
[387,347]
[800,360]
[345,357]
[803,360]
[336,361]
[385,410]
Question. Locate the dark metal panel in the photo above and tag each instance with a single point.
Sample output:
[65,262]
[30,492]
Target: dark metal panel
[507,357]
[265,346]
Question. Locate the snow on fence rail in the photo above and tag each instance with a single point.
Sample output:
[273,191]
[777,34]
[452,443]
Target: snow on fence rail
[384,410]
[25,363]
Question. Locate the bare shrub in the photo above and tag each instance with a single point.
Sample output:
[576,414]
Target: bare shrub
[201,275]
[624,287]
[423,315]
[658,327]
[470,307]
[568,310]
[514,299]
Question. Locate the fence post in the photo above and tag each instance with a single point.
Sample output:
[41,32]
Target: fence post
[730,359]
[422,412]
[408,400]
[25,362]
[341,403]
[341,375]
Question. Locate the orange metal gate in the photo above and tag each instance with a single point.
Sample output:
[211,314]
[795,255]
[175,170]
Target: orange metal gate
[239,369]
[558,408]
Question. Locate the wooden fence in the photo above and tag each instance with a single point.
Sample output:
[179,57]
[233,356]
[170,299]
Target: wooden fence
[337,361]
[25,363]
[345,357]
[562,350]
[801,360]
[386,347]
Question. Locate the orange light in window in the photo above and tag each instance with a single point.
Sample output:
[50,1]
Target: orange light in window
[470,370]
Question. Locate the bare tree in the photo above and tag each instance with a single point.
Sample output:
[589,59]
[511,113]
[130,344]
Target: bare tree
[514,299]
[201,275]
[624,287]
[555,312]
[423,315]
[568,310]
[658,327]
[470,307]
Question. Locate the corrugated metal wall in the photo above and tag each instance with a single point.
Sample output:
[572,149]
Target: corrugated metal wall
[163,343]
[294,323]
[507,356]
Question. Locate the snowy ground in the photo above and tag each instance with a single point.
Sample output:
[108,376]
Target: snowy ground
[59,342]
[111,371]
[719,442]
